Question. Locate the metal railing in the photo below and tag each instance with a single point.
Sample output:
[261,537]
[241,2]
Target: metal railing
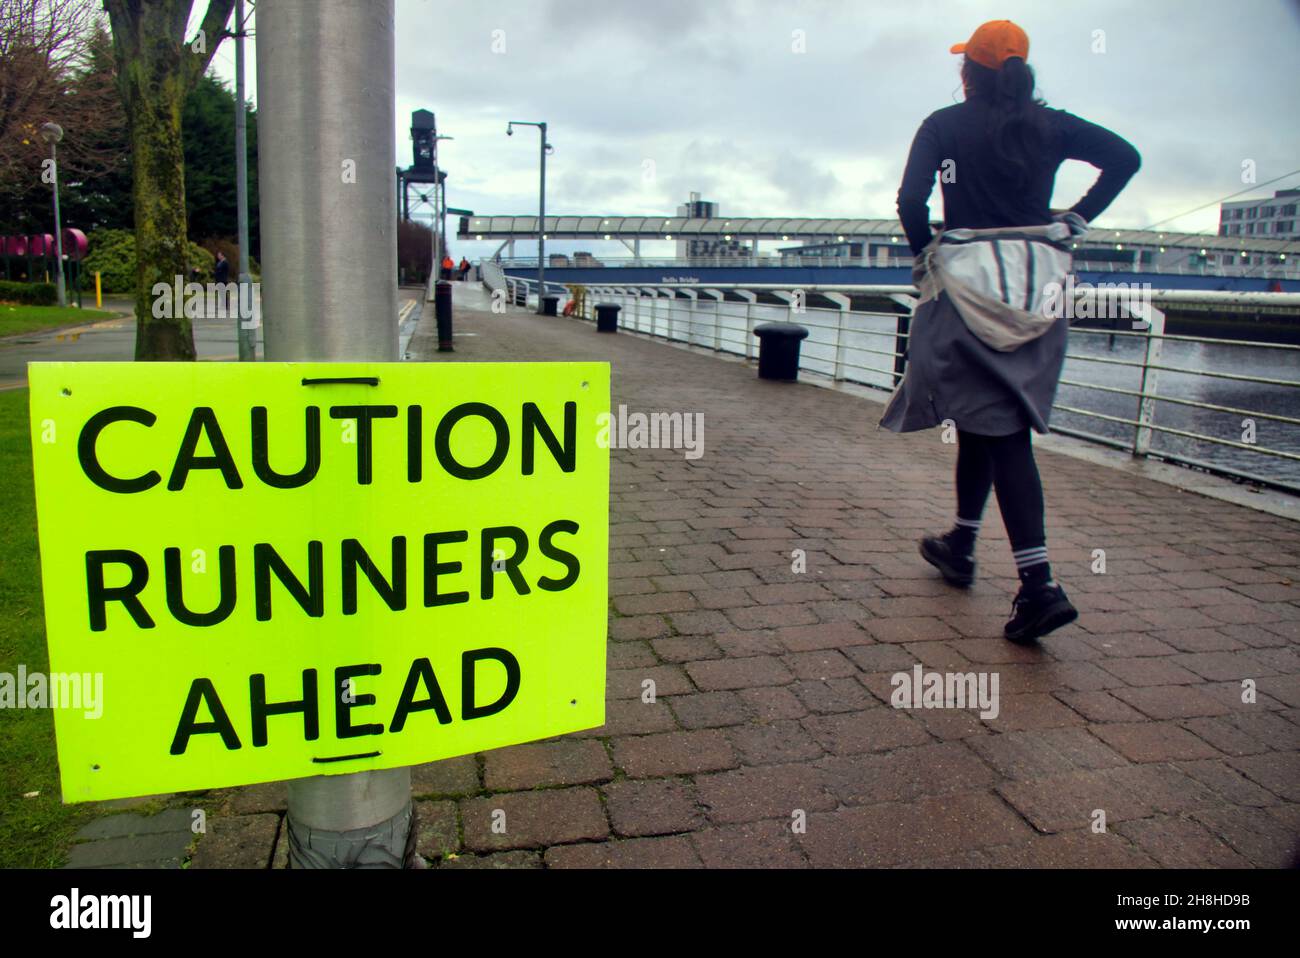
[1290,269]
[494,277]
[521,291]
[903,258]
[1131,386]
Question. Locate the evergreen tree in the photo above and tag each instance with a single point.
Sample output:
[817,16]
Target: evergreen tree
[208,125]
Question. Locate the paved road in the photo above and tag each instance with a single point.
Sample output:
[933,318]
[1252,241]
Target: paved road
[114,340]
[773,742]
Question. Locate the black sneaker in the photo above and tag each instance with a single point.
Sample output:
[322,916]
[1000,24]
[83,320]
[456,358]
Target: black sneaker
[956,570]
[1038,610]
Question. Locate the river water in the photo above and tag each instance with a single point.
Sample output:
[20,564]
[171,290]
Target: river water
[867,341]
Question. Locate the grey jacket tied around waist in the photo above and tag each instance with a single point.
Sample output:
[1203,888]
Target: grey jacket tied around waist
[999,280]
[984,350]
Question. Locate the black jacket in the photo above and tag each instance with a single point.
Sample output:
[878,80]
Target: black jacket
[978,194]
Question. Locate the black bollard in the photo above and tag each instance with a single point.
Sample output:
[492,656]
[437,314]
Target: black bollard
[778,350]
[607,317]
[549,305]
[442,311]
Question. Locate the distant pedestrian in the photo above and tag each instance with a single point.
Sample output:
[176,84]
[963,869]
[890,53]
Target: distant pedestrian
[985,348]
[221,272]
[464,268]
[448,264]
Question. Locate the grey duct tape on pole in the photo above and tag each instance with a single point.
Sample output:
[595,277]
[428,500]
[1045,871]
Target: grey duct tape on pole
[326,162]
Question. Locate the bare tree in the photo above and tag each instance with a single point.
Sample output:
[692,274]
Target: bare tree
[54,67]
[156,68]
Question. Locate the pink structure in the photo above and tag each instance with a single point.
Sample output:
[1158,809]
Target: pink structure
[74,244]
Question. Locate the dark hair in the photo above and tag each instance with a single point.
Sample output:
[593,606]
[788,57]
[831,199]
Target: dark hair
[1017,120]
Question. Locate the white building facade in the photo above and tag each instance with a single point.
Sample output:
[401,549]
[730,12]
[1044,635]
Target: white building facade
[1272,218]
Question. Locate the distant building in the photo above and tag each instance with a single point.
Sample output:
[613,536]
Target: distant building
[724,248]
[847,250]
[557,259]
[584,258]
[1270,218]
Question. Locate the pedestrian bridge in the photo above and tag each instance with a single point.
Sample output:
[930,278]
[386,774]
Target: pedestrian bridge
[874,242]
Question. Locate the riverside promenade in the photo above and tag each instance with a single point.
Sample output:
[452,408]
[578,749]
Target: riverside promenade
[771,740]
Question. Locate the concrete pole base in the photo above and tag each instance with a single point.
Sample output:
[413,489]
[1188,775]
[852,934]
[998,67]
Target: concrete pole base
[342,833]
[389,844]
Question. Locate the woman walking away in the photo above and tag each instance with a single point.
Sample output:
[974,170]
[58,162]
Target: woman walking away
[988,339]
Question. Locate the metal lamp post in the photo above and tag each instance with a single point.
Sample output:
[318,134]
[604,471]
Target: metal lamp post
[52,133]
[246,328]
[541,208]
[439,211]
[325,73]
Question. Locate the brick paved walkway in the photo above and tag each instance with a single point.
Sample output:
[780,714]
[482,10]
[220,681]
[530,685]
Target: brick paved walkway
[773,686]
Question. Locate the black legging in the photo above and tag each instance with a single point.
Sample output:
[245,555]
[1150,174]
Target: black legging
[1005,463]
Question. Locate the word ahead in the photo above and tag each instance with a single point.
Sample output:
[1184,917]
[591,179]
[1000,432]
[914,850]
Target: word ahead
[294,569]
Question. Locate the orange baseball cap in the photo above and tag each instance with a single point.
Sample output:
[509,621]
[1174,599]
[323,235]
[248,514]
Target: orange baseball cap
[994,42]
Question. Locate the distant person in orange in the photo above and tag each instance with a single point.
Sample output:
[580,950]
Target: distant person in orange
[464,268]
[448,264]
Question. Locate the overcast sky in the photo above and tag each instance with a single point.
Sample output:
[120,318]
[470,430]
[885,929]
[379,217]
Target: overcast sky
[648,100]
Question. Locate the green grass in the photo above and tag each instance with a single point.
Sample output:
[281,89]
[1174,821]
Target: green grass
[28,319]
[34,832]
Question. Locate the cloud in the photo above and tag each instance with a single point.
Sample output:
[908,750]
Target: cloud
[808,108]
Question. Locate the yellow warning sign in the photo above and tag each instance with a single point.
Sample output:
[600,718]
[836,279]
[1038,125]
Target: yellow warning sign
[293,569]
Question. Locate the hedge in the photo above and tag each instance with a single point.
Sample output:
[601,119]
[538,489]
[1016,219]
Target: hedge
[112,253]
[29,294]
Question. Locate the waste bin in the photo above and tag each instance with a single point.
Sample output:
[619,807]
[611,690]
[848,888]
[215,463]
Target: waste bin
[442,312]
[549,304]
[607,317]
[778,350]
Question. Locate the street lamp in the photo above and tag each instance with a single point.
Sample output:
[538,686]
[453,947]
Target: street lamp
[439,210]
[541,208]
[246,326]
[52,133]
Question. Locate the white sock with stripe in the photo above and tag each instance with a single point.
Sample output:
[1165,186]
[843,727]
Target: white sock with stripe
[1032,564]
